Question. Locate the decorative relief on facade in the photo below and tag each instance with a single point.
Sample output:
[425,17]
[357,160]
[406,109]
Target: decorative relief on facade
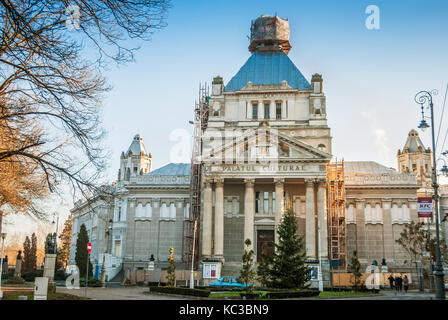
[156,180]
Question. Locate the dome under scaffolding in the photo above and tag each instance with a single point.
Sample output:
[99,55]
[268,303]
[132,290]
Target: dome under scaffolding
[269,33]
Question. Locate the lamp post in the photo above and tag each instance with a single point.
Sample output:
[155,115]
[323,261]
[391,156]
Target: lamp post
[422,98]
[106,242]
[56,233]
[1,264]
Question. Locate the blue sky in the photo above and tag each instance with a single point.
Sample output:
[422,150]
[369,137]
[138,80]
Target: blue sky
[370,76]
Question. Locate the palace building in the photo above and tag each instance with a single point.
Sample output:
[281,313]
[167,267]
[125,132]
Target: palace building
[267,147]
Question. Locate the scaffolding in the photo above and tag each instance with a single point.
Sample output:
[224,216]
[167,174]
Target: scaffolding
[336,215]
[191,236]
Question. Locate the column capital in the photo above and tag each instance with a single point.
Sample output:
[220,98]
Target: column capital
[279,182]
[360,200]
[249,182]
[219,182]
[208,182]
[321,183]
[386,200]
[309,182]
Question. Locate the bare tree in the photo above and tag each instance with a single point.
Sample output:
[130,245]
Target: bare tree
[52,54]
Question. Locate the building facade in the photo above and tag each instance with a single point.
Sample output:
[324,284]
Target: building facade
[266,148]
[143,214]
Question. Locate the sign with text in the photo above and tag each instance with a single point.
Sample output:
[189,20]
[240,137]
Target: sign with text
[210,271]
[424,207]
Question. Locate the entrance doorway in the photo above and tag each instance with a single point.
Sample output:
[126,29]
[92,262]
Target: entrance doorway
[265,238]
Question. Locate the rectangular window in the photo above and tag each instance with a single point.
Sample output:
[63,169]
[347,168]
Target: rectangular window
[266,111]
[255,111]
[273,201]
[266,202]
[278,110]
[257,201]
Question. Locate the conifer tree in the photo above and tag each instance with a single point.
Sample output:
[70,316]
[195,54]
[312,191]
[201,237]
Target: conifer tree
[33,253]
[64,249]
[288,263]
[247,273]
[81,254]
[26,255]
[264,267]
[355,268]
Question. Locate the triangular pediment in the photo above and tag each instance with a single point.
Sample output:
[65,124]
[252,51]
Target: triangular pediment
[263,143]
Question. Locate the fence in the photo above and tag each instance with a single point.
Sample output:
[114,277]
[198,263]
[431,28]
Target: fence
[134,277]
[342,279]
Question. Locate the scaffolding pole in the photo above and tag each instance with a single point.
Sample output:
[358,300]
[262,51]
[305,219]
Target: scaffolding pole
[191,238]
[336,216]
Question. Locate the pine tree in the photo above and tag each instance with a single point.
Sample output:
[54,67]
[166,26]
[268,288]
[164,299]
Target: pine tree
[288,263]
[33,253]
[26,255]
[264,267]
[355,267]
[247,273]
[81,254]
[64,249]
[171,272]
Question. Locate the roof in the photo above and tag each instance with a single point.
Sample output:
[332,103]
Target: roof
[268,68]
[137,146]
[172,169]
[413,142]
[366,167]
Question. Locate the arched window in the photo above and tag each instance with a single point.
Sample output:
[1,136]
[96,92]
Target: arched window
[378,213]
[164,211]
[351,214]
[148,211]
[172,211]
[394,212]
[368,213]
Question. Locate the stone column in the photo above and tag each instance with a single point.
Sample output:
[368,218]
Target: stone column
[249,209]
[207,220]
[360,229]
[279,187]
[284,113]
[310,223]
[260,110]
[322,219]
[249,109]
[387,229]
[270,203]
[219,217]
[272,110]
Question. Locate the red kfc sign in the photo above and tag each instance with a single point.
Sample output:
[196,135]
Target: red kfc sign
[424,207]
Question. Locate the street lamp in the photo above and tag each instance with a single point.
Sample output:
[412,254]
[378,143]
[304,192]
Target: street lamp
[421,98]
[56,233]
[3,235]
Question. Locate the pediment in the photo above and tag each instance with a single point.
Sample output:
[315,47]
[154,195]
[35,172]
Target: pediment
[263,143]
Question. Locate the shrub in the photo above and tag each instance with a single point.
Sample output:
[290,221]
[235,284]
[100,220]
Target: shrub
[291,294]
[181,291]
[15,280]
[60,275]
[93,282]
[30,275]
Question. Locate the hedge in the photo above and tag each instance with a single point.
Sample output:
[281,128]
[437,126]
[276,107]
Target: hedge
[30,275]
[181,291]
[292,294]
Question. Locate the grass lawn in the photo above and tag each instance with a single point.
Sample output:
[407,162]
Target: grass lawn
[51,296]
[329,294]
